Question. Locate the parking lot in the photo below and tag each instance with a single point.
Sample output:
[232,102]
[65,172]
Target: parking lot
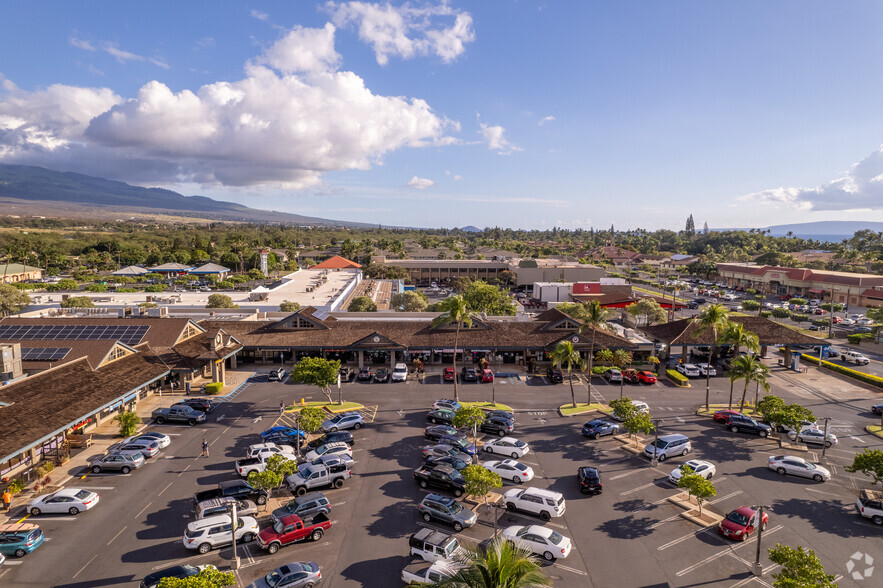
[628,536]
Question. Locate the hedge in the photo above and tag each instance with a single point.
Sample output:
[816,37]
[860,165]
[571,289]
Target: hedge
[799,318]
[861,376]
[855,338]
[677,377]
[214,388]
[601,369]
[765,314]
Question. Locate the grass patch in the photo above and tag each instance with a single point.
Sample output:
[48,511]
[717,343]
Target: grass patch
[712,408]
[489,406]
[875,430]
[330,407]
[582,407]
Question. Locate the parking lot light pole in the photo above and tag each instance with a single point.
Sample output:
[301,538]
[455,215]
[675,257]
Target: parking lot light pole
[655,462]
[757,569]
[825,438]
[234,520]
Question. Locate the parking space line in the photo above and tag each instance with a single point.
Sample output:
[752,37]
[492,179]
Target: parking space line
[164,489]
[569,569]
[639,488]
[117,535]
[628,473]
[142,510]
[769,569]
[84,567]
[684,538]
[183,561]
[725,551]
[184,470]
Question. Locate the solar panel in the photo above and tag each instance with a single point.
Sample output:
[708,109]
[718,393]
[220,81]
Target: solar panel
[128,334]
[44,353]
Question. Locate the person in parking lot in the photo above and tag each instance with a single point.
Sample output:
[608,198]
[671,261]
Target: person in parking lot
[281,408]
[7,500]
[204,448]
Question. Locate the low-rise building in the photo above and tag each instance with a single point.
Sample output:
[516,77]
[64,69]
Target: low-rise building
[17,272]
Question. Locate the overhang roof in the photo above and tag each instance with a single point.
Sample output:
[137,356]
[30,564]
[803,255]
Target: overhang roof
[131,270]
[337,262]
[687,332]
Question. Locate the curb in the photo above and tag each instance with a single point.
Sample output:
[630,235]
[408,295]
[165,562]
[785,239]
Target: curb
[878,434]
[690,509]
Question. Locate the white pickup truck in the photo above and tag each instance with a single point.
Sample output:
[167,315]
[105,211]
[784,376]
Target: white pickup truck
[870,505]
[854,357]
[424,572]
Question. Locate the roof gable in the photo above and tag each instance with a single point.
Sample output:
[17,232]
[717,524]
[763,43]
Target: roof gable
[337,262]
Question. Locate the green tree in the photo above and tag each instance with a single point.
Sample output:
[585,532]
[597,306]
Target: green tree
[870,463]
[800,568]
[483,297]
[875,314]
[220,301]
[623,407]
[769,407]
[289,306]
[12,300]
[78,302]
[500,565]
[714,317]
[480,481]
[362,304]
[696,485]
[469,416]
[129,422]
[316,371]
[638,422]
[282,466]
[266,480]
[209,577]
[750,369]
[751,305]
[646,308]
[410,301]
[565,355]
[454,310]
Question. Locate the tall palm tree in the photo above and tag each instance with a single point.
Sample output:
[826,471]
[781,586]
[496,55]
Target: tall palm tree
[565,354]
[746,367]
[594,317]
[501,565]
[737,335]
[716,318]
[455,310]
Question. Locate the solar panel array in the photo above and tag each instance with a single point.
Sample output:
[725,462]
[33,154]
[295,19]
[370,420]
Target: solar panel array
[44,353]
[128,334]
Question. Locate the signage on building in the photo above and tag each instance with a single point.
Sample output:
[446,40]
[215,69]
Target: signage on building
[587,287]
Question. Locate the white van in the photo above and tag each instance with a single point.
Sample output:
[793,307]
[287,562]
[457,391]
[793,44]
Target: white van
[400,373]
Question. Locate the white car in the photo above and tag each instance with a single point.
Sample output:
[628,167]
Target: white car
[268,449]
[706,370]
[847,322]
[69,501]
[509,469]
[399,373]
[813,436]
[163,440]
[335,448]
[539,540]
[700,467]
[507,446]
[797,466]
[689,369]
[545,503]
[640,405]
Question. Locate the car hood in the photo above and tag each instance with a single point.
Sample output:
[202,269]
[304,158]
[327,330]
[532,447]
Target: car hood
[730,525]
[267,534]
[509,532]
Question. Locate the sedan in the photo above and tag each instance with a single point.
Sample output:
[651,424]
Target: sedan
[469,375]
[364,374]
[696,466]
[457,462]
[740,523]
[287,431]
[646,377]
[507,446]
[440,415]
[147,447]
[797,466]
[509,469]
[539,540]
[68,501]
[293,575]
[503,414]
[722,416]
[813,436]
[458,441]
[436,432]
[877,409]
[596,428]
[706,369]
[381,375]
[487,376]
[448,374]
[443,451]
[162,440]
[447,404]
[555,376]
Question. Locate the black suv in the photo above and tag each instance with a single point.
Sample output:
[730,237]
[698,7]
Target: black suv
[201,404]
[497,425]
[740,423]
[335,437]
[555,376]
[469,375]
[381,375]
[589,480]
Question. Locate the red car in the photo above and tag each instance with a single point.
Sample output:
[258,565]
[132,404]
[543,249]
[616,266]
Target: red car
[722,416]
[837,320]
[487,376]
[740,523]
[647,377]
[448,374]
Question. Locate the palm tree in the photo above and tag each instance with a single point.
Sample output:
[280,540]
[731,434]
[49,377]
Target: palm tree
[594,317]
[621,358]
[455,311]
[736,335]
[746,367]
[565,354]
[501,565]
[714,317]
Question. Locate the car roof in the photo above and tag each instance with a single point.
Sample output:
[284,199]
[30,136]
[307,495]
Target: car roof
[745,510]
[439,498]
[542,492]
[697,462]
[672,437]
[309,497]
[793,457]
[540,530]
[508,439]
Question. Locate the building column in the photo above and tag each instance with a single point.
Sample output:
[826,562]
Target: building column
[361,358]
[233,362]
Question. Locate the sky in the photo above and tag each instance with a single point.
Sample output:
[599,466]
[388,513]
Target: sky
[511,113]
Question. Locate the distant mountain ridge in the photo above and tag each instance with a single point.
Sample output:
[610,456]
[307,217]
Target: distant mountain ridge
[38,190]
[826,228]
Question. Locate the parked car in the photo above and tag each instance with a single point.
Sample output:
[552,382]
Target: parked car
[178,413]
[468,374]
[118,462]
[428,573]
[239,489]
[504,414]
[447,404]
[442,450]
[706,469]
[162,440]
[431,545]
[741,423]
[381,375]
[146,447]
[336,437]
[277,375]
[544,503]
[646,377]
[292,529]
[217,506]
[440,476]
[305,506]
[813,437]
[400,373]
[68,501]
[706,370]
[448,374]
[797,466]
[722,416]
[286,431]
[509,469]
[440,415]
[869,505]
[345,373]
[458,441]
[640,406]
[487,375]
[281,438]
[507,446]
[630,376]
[436,432]
[201,404]
[364,374]
[497,425]
[597,428]
[589,480]
[543,541]
[741,523]
[668,446]
[347,420]
[613,375]
[863,330]
[212,532]
[854,357]
[877,409]
[293,575]
[688,369]
[309,476]
[447,510]
[268,449]
[329,448]
[555,376]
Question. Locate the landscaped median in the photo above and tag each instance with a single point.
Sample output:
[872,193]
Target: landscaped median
[331,407]
[713,408]
[875,430]
[691,512]
[582,408]
[489,406]
[860,376]
[678,378]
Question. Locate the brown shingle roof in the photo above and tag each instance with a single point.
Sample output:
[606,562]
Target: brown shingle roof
[686,332]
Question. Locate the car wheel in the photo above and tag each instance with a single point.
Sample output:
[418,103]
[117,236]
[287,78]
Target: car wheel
[501,433]
[74,510]
[548,556]
[300,491]
[516,479]
[317,534]
[596,436]
[273,548]
[96,469]
[458,526]
[191,422]
[734,429]
[338,483]
[423,484]
[781,471]
[205,548]
[660,457]
[125,469]
[433,421]
[488,449]
[247,538]
[510,506]
[762,433]
[262,500]
[427,517]
[685,452]
[160,420]
[357,426]
[545,515]
[333,429]
[878,520]
[35,512]
[20,553]
[827,444]
[817,477]
[458,493]
[514,455]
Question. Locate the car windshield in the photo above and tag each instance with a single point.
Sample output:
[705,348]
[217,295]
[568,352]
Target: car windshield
[455,507]
[738,518]
[82,494]
[522,531]
[660,443]
[450,546]
[556,538]
[279,527]
[273,578]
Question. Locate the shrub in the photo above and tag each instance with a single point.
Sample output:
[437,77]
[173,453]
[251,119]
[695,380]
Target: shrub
[214,388]
[155,288]
[600,369]
[781,313]
[25,285]
[220,301]
[61,285]
[765,314]
[799,318]
[45,469]
[750,291]
[861,376]
[798,301]
[855,338]
[96,288]
[677,377]
[226,284]
[750,305]
[16,486]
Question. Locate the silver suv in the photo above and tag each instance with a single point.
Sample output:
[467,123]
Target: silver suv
[211,532]
[668,446]
[123,462]
[219,506]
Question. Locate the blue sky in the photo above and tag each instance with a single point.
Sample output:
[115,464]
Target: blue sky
[494,113]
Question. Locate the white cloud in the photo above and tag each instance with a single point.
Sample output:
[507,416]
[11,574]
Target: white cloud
[271,128]
[205,43]
[420,183]
[457,178]
[406,31]
[859,188]
[81,44]
[121,55]
[259,15]
[493,135]
[546,119]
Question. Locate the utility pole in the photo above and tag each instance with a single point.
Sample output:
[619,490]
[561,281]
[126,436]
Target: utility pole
[757,569]
[830,320]
[655,462]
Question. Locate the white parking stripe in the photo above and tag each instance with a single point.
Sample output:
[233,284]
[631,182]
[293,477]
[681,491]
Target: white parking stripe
[628,473]
[725,551]
[569,569]
[638,489]
[684,538]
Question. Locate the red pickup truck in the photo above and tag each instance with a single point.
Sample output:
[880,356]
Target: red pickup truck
[291,529]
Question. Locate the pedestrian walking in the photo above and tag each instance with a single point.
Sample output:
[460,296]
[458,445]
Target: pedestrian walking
[7,500]
[281,408]
[204,448]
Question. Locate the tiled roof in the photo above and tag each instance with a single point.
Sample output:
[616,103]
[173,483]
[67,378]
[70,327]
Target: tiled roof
[803,274]
[336,262]
[210,268]
[687,332]
[872,293]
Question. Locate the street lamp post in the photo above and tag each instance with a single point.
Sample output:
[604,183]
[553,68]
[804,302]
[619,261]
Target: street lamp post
[655,461]
[825,437]
[757,569]
[339,401]
[234,520]
[494,391]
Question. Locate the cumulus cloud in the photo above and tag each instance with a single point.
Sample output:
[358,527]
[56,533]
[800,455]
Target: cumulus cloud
[493,135]
[420,183]
[406,31]
[291,118]
[81,44]
[861,187]
[546,119]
